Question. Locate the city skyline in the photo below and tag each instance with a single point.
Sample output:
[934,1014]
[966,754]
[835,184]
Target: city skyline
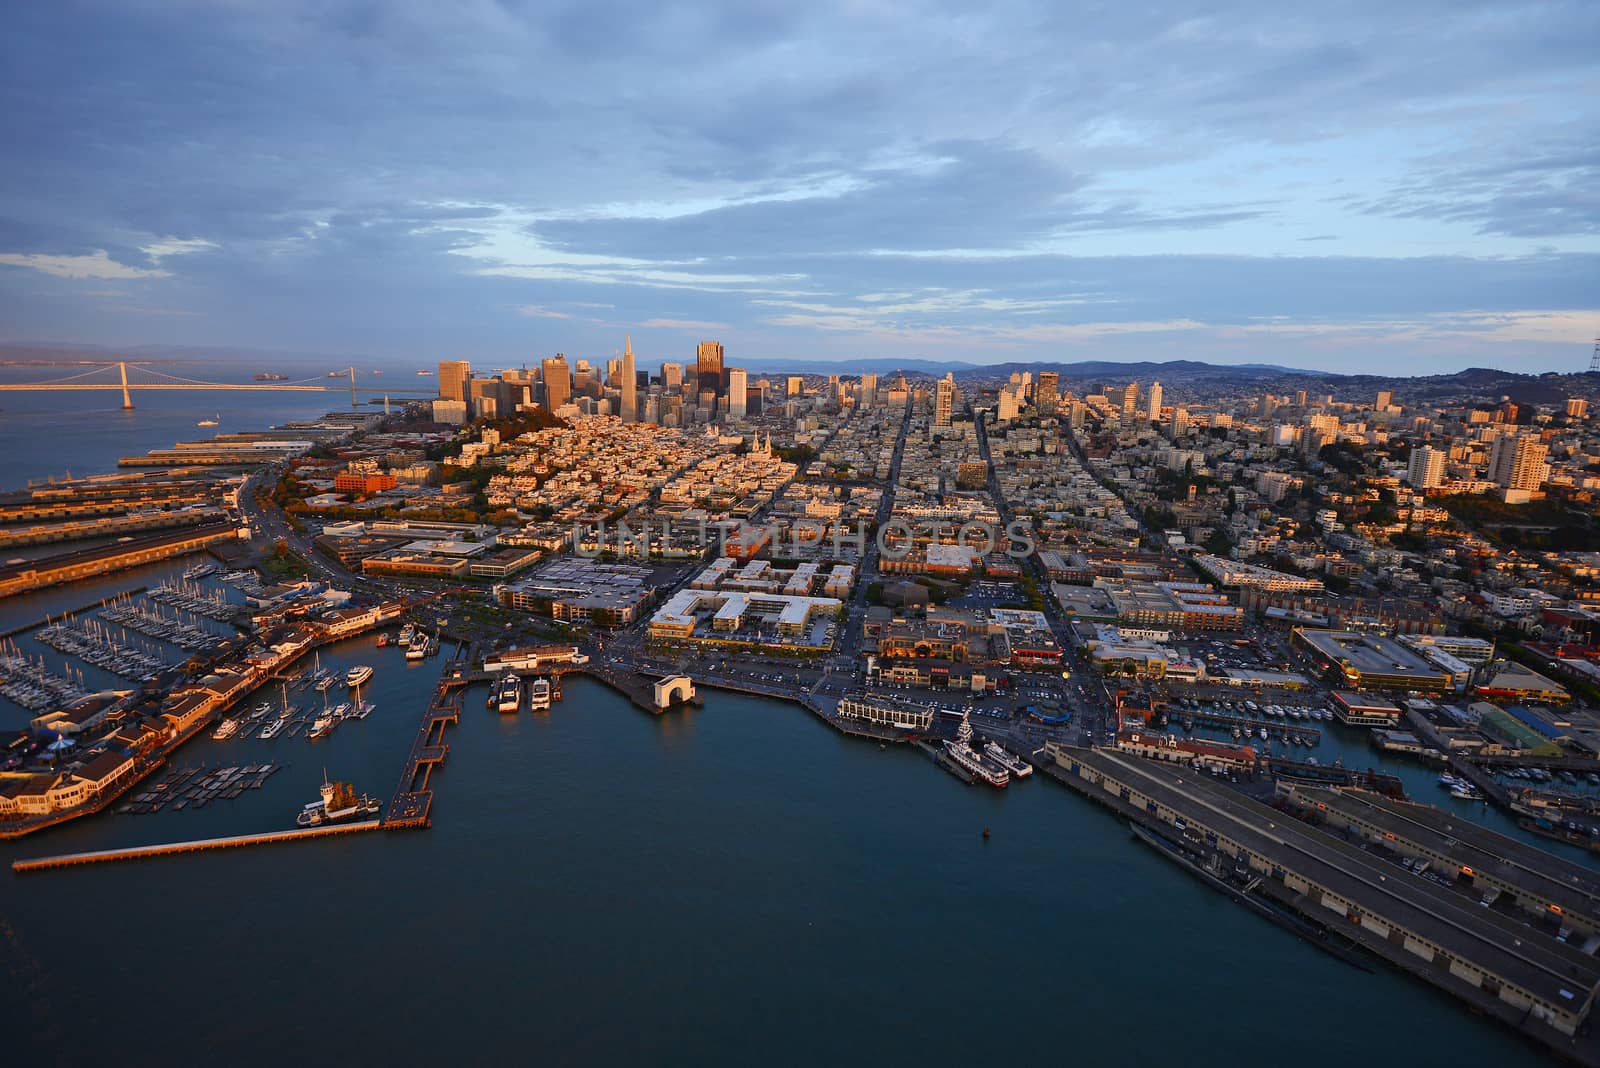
[1352,191]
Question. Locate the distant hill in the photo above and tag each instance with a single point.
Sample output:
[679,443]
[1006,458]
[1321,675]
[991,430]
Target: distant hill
[1169,369]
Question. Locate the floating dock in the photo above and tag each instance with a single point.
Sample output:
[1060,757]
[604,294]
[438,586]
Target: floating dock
[101,856]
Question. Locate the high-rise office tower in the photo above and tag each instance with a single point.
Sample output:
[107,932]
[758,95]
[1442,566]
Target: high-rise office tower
[1130,400]
[1153,406]
[1006,408]
[736,393]
[944,400]
[867,392]
[1045,397]
[453,376]
[1426,468]
[796,384]
[630,385]
[672,377]
[708,364]
[557,382]
[1517,461]
[1299,398]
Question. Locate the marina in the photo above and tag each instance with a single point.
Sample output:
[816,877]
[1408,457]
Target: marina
[196,787]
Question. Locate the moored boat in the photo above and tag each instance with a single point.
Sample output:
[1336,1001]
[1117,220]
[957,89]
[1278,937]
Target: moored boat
[357,675]
[339,802]
[1008,760]
[973,762]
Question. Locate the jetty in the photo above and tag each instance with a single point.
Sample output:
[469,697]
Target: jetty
[102,856]
[411,807]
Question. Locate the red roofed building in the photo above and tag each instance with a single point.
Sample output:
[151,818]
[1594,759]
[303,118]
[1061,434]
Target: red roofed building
[1185,750]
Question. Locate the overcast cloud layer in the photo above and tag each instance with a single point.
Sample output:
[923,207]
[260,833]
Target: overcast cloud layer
[1358,186]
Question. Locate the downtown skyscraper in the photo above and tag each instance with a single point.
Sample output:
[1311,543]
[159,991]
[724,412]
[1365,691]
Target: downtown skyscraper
[630,385]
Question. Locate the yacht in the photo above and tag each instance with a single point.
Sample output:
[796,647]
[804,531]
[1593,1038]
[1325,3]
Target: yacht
[407,632]
[421,646]
[322,726]
[1008,760]
[226,729]
[539,695]
[357,675]
[271,729]
[210,422]
[507,696]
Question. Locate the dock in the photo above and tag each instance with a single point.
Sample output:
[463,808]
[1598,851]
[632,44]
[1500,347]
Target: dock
[102,856]
[411,807]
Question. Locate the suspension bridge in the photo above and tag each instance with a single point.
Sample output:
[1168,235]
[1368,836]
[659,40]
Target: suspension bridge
[116,377]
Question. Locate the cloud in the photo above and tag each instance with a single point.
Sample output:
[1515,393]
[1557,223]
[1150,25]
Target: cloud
[683,324]
[99,265]
[831,179]
[171,246]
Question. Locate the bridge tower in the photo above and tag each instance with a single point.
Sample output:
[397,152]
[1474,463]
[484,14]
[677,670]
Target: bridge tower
[352,387]
[127,398]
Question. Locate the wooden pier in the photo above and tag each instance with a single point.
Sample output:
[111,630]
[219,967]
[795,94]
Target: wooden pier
[412,804]
[101,856]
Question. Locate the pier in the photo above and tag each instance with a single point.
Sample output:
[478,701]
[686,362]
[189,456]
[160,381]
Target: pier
[411,808]
[102,856]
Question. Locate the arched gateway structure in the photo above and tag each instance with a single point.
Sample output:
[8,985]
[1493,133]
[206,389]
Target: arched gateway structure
[673,688]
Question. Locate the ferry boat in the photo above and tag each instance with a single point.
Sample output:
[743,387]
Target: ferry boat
[200,570]
[271,729]
[539,695]
[507,694]
[339,802]
[226,729]
[1008,760]
[357,675]
[407,632]
[970,760]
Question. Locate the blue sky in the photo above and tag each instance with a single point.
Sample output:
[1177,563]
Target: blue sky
[1408,187]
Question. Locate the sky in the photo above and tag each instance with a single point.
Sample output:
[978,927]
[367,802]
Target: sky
[1363,186]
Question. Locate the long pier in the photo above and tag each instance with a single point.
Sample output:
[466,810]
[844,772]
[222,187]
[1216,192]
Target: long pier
[102,856]
[411,807]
